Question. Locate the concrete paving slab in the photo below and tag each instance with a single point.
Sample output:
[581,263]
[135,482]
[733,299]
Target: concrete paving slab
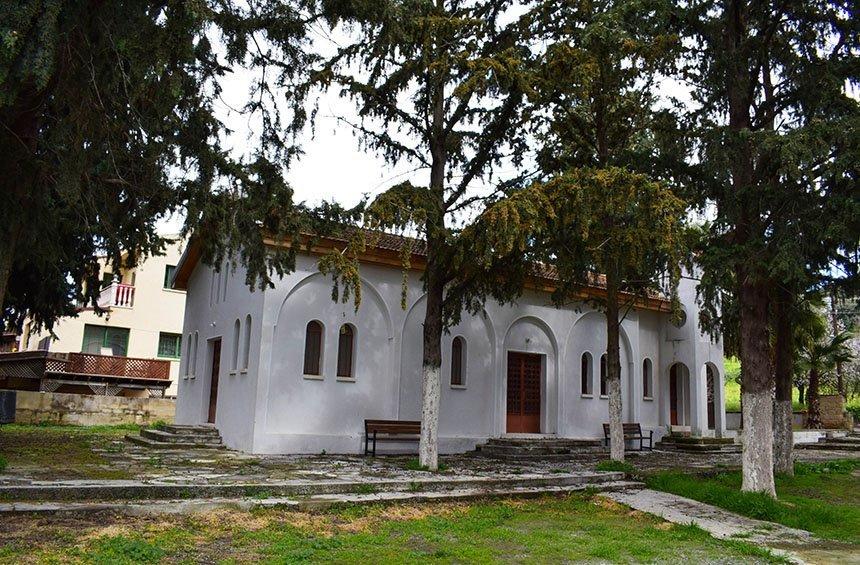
[716,521]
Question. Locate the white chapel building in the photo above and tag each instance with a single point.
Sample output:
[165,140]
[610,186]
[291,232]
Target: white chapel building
[288,370]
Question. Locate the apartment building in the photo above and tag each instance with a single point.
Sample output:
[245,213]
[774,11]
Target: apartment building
[143,317]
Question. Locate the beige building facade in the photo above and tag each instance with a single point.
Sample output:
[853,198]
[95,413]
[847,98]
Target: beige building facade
[143,317]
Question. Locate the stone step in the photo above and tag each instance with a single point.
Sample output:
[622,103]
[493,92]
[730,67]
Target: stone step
[842,439]
[155,444]
[544,442]
[690,440]
[525,449]
[141,490]
[159,435]
[698,447]
[191,429]
[186,506]
[833,445]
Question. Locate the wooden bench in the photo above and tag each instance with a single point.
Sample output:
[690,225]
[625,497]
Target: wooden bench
[632,432]
[389,430]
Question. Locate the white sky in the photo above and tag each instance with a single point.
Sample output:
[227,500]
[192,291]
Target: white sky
[333,167]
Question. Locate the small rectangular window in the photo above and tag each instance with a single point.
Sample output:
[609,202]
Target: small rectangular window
[169,270]
[169,345]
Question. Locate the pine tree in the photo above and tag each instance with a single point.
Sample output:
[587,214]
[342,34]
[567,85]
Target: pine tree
[439,84]
[108,123]
[597,82]
[770,81]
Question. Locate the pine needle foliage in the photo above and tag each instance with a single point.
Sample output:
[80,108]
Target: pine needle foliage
[108,123]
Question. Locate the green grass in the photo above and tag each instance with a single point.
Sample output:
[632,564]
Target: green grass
[572,528]
[415,465]
[823,498]
[3,463]
[66,451]
[610,465]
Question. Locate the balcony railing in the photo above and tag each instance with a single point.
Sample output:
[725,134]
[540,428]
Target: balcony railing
[91,364]
[117,295]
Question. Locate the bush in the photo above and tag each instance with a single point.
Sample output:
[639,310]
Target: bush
[617,466]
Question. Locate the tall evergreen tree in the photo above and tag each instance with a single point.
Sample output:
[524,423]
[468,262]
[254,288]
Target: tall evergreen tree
[107,123]
[770,79]
[595,226]
[439,84]
[597,82]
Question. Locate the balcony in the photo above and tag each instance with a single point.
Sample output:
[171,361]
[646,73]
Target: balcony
[82,373]
[116,295]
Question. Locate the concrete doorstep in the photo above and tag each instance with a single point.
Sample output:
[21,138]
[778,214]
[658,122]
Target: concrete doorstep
[414,494]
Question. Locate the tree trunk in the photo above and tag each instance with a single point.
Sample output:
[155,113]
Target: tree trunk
[801,394]
[19,180]
[8,243]
[813,408]
[428,447]
[783,436]
[835,329]
[757,458]
[434,280]
[613,369]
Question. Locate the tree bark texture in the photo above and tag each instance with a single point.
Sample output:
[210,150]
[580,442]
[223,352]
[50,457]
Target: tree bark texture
[613,370]
[813,407]
[434,273]
[757,458]
[783,436]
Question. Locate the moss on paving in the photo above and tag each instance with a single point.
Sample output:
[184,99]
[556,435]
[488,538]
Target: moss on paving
[551,529]
[823,498]
[70,452]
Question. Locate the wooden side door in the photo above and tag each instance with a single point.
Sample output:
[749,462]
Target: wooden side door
[213,386]
[524,392]
[673,395]
[711,405]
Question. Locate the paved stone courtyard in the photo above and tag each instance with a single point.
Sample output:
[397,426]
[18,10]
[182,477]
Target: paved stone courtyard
[202,466]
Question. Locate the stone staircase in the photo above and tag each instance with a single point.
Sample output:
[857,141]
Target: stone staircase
[176,436]
[527,448]
[834,442]
[688,444]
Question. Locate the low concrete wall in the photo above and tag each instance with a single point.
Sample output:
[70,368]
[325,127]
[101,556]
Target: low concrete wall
[733,420]
[89,410]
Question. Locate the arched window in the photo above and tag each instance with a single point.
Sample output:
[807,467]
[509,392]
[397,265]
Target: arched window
[234,359]
[246,345]
[458,361]
[585,374]
[603,387]
[647,379]
[345,343]
[313,348]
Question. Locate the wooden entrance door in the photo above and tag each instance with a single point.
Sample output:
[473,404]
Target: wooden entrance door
[673,395]
[524,376]
[213,386]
